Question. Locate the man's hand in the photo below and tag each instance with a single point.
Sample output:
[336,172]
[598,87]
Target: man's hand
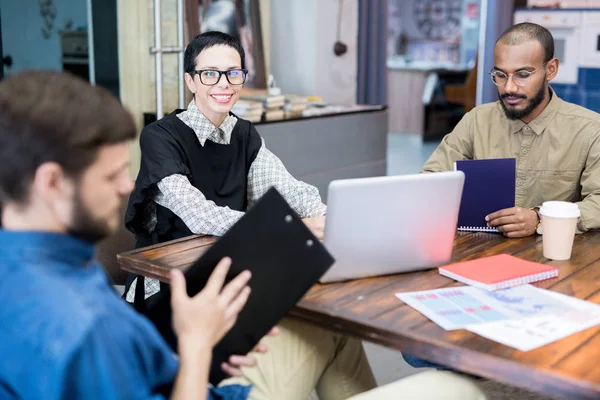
[316,225]
[201,321]
[514,222]
[235,363]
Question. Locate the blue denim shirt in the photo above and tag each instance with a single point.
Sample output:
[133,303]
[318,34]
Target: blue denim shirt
[65,334]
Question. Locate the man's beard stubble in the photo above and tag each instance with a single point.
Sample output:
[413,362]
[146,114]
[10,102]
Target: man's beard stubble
[533,103]
[85,226]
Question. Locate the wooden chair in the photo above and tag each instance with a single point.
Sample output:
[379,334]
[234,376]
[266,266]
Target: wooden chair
[466,93]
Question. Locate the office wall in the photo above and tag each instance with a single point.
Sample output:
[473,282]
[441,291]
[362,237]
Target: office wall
[293,55]
[136,64]
[302,36]
[22,36]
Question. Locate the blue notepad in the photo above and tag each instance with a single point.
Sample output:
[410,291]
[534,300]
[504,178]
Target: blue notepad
[489,187]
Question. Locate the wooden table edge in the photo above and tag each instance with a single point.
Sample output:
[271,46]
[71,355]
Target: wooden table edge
[521,375]
[210,239]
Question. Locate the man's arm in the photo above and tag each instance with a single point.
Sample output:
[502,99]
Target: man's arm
[457,145]
[590,189]
[113,363]
[519,222]
[107,365]
[200,215]
[268,171]
[200,322]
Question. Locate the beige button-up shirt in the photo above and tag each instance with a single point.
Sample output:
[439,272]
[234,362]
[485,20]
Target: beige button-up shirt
[558,153]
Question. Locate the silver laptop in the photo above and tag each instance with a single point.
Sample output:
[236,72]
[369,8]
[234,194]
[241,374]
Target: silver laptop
[391,224]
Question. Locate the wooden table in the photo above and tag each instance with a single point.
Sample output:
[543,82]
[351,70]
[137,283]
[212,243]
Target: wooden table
[368,309]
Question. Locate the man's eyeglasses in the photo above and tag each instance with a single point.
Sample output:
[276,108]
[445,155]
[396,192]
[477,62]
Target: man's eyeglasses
[210,77]
[520,78]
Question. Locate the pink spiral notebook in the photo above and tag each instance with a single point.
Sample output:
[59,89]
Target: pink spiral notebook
[498,272]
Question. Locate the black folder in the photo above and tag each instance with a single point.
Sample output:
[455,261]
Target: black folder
[285,259]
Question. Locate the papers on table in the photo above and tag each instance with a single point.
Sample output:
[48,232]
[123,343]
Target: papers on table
[528,334]
[459,307]
[522,317]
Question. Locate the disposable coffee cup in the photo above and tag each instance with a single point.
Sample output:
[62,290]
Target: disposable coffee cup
[559,222]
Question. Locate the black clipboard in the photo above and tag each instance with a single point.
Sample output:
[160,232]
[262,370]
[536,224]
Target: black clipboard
[285,259]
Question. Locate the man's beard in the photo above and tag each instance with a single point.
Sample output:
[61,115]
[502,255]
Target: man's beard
[533,103]
[85,226]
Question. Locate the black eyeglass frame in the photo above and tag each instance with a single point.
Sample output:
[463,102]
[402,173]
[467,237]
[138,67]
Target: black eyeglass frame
[200,71]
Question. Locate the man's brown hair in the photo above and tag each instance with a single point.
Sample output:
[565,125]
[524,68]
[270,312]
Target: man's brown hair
[48,116]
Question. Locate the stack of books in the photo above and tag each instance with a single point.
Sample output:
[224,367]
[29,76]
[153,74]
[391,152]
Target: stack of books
[272,104]
[249,110]
[295,105]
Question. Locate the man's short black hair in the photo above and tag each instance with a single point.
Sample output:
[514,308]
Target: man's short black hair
[527,31]
[206,40]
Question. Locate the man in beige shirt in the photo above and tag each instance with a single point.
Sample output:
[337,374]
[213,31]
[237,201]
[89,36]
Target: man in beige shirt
[556,144]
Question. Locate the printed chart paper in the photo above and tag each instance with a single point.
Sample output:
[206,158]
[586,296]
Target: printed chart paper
[459,307]
[528,334]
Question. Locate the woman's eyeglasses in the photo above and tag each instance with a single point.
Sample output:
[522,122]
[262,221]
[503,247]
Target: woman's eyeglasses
[211,77]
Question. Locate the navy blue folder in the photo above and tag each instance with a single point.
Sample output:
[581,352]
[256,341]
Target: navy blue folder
[489,187]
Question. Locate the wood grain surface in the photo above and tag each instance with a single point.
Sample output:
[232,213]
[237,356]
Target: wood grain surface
[368,309]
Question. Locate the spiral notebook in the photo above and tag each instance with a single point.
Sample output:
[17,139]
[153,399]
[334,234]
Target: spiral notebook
[498,272]
[489,187]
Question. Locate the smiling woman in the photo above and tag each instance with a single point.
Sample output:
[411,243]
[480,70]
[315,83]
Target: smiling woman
[203,167]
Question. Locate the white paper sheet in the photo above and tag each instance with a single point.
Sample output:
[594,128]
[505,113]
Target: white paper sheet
[459,307]
[530,333]
[523,317]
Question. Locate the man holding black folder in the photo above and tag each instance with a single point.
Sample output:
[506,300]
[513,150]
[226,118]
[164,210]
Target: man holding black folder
[556,143]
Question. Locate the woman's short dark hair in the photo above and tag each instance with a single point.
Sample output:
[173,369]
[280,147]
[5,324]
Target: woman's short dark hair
[48,116]
[206,40]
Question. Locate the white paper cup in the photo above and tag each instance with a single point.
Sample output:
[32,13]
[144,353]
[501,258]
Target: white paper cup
[559,221]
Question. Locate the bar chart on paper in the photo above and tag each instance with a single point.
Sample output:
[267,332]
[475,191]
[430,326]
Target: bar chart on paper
[458,307]
[530,333]
[455,308]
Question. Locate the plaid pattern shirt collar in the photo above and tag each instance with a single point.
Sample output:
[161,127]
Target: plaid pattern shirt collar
[204,129]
